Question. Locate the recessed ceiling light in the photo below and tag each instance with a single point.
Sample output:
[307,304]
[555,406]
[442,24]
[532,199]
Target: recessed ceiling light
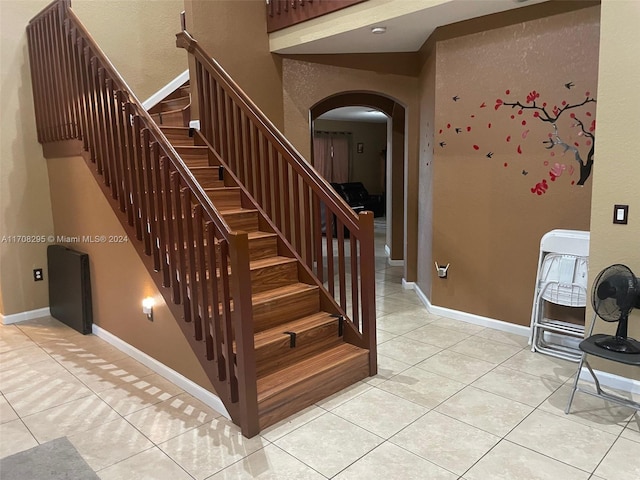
[378,30]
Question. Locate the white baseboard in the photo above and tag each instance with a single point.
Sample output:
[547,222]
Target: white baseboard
[472,318]
[610,380]
[160,95]
[205,396]
[606,379]
[194,124]
[23,316]
[392,263]
[408,285]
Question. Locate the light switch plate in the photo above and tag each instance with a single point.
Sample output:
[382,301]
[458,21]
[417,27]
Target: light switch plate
[620,214]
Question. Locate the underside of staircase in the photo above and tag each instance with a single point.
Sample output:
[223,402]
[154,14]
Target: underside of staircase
[300,351]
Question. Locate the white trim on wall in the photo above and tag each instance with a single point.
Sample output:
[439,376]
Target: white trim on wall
[408,285]
[170,87]
[606,379]
[24,316]
[202,394]
[610,380]
[392,263]
[472,318]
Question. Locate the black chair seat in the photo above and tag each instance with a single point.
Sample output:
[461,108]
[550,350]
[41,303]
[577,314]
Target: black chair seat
[589,346]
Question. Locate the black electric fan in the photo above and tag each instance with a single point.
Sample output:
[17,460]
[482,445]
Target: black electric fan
[616,291]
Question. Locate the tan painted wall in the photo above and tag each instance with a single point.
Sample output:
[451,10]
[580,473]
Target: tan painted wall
[306,84]
[425,189]
[140,42]
[487,222]
[235,34]
[119,279]
[25,207]
[366,167]
[617,169]
[138,36]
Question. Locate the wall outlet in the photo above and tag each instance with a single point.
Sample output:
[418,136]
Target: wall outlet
[37,275]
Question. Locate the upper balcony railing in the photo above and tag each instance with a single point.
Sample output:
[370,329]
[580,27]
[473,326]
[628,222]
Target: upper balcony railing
[284,13]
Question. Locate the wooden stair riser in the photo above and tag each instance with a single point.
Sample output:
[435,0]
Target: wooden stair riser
[268,314]
[183,91]
[177,136]
[171,104]
[194,156]
[278,353]
[208,177]
[310,389]
[259,248]
[246,220]
[263,247]
[273,276]
[172,117]
[225,198]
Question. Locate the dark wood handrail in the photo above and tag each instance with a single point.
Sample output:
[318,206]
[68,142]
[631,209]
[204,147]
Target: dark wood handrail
[320,186]
[121,84]
[174,226]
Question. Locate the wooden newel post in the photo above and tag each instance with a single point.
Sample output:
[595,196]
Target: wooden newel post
[242,317]
[367,288]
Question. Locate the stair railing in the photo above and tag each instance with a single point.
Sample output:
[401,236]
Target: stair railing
[180,236]
[333,242]
[285,13]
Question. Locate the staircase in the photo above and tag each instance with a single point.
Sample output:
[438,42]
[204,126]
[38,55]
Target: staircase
[300,353]
[174,109]
[227,219]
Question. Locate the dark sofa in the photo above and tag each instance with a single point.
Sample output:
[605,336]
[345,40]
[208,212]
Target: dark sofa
[358,198]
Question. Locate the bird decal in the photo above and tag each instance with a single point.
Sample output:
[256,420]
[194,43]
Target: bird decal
[458,130]
[456,98]
[569,85]
[490,155]
[442,144]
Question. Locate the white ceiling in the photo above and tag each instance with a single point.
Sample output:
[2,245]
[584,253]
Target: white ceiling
[354,114]
[406,32]
[409,23]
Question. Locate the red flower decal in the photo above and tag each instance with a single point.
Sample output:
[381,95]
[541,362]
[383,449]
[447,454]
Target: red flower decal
[532,96]
[540,187]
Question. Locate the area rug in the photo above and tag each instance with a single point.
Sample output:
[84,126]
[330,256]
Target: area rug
[54,460]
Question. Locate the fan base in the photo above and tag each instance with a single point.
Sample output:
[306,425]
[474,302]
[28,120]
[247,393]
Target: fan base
[619,344]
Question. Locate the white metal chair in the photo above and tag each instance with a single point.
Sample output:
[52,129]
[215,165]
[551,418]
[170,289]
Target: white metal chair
[562,279]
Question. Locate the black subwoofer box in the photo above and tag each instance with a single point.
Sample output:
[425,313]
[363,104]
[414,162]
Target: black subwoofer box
[70,287]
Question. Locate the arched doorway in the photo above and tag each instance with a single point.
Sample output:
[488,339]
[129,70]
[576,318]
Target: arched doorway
[395,158]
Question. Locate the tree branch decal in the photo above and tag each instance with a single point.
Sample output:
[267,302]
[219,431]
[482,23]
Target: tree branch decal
[552,116]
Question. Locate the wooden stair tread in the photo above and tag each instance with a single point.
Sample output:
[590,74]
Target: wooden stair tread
[192,148]
[260,234]
[280,292]
[296,326]
[234,211]
[278,381]
[221,189]
[174,129]
[270,261]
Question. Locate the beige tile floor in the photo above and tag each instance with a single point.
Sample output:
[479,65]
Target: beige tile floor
[451,401]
